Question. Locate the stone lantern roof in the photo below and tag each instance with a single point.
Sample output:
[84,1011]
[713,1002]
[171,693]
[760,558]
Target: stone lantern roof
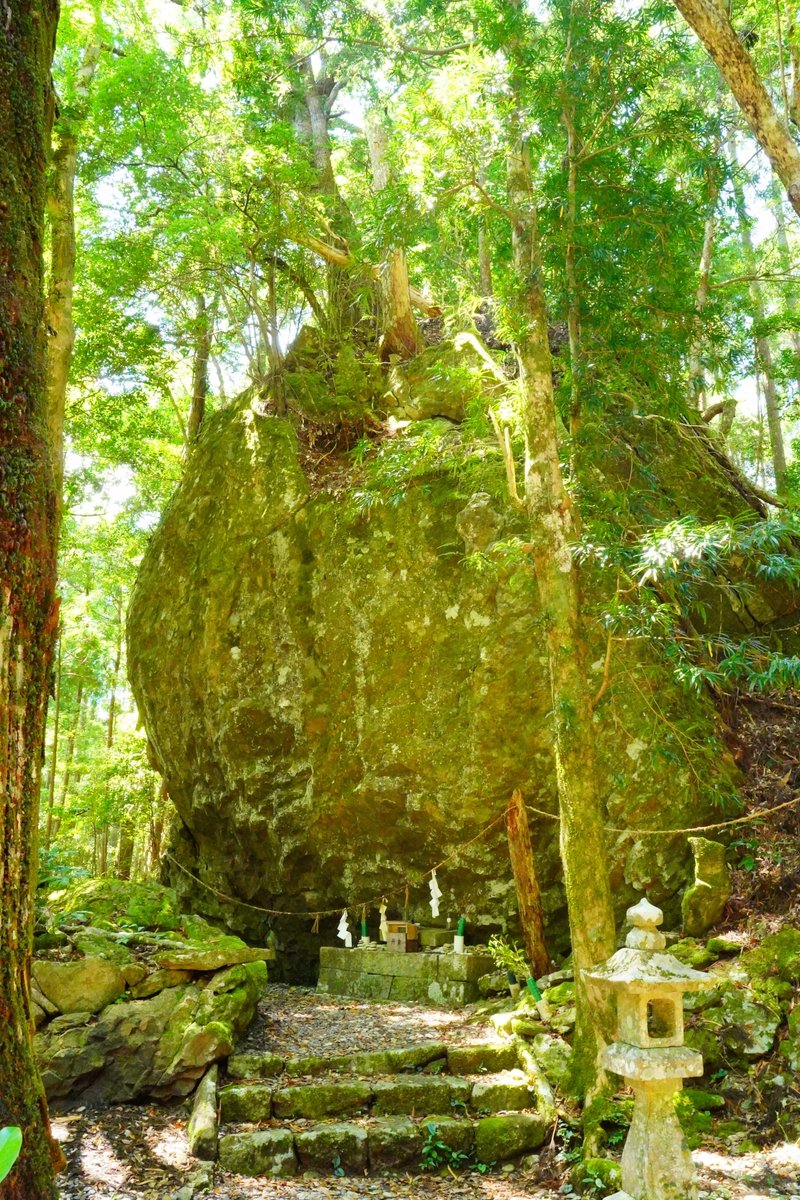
[641,965]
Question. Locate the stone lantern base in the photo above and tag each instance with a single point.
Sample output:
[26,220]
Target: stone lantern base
[656,1161]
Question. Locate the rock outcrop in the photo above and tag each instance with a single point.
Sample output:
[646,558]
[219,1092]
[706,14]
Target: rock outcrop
[117,1025]
[704,901]
[340,689]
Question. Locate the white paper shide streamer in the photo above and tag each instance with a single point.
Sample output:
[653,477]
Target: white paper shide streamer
[342,930]
[384,925]
[436,893]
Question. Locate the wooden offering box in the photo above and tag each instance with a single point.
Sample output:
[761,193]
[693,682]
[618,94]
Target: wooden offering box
[402,936]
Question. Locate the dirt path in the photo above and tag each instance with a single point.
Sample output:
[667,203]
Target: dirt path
[140,1152]
[299,1021]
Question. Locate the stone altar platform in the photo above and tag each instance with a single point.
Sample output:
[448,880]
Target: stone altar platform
[375,973]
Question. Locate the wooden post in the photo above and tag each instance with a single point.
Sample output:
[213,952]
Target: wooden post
[528,895]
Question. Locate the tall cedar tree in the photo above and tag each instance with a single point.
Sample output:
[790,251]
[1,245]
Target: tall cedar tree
[28,610]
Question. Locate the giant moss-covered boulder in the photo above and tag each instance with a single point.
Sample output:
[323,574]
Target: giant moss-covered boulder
[339,691]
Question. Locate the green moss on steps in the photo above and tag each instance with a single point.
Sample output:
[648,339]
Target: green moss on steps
[255,1066]
[249,1102]
[315,1100]
[420,1093]
[505,1092]
[498,1139]
[395,1142]
[268,1152]
[342,1146]
[488,1056]
[457,1134]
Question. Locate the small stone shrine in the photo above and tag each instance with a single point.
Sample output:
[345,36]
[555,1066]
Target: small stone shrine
[649,1054]
[429,969]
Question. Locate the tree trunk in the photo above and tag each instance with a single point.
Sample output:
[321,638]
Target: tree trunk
[529,897]
[776,204]
[343,306]
[157,814]
[202,353]
[51,779]
[484,259]
[112,702]
[127,838]
[344,259]
[399,333]
[710,21]
[570,255]
[28,530]
[68,757]
[554,526]
[697,372]
[762,343]
[61,213]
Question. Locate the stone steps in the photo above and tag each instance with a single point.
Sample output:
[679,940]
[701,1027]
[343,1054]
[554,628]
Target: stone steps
[459,1060]
[377,1111]
[380,1144]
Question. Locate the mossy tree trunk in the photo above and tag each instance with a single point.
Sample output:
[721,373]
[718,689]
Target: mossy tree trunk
[554,527]
[28,607]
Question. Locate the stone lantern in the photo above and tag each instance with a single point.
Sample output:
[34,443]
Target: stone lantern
[649,1053]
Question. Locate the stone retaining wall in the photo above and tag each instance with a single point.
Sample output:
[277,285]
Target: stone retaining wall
[376,973]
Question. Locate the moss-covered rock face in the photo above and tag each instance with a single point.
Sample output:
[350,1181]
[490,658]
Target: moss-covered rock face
[116,902]
[338,694]
[704,901]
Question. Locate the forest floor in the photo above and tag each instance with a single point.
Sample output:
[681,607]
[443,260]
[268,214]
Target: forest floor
[138,1152]
[132,1152]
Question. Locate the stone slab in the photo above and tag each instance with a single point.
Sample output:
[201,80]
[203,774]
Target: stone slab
[246,1102]
[467,967]
[203,1127]
[498,1139]
[211,958]
[394,1142]
[265,1152]
[420,1093]
[352,983]
[315,1100]
[254,1066]
[330,1146]
[483,1056]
